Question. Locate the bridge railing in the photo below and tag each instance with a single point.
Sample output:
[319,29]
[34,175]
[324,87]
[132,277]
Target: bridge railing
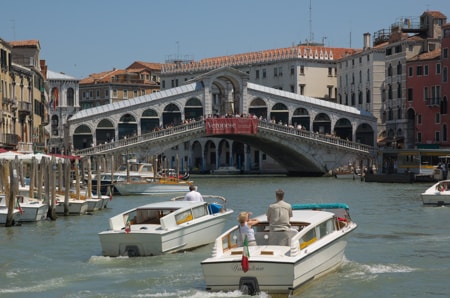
[136,140]
[317,137]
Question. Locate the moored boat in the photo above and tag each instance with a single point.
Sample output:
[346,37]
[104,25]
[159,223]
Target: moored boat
[281,261]
[32,209]
[142,186]
[437,195]
[165,227]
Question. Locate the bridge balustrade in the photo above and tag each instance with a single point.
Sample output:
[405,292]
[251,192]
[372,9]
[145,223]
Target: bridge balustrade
[134,141]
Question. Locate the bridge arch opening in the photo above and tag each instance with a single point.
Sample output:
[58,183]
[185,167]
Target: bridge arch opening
[279,114]
[365,134]
[301,117]
[227,94]
[322,124]
[149,121]
[193,109]
[82,137]
[343,129]
[127,126]
[210,156]
[196,156]
[171,115]
[105,132]
[258,108]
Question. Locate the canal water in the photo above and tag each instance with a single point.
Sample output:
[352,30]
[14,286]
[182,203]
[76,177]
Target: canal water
[400,249]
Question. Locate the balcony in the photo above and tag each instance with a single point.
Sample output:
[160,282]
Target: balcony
[433,102]
[24,108]
[8,140]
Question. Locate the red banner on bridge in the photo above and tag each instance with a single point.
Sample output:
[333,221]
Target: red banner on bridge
[231,126]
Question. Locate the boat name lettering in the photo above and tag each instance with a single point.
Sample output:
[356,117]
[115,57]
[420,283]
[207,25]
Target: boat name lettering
[238,267]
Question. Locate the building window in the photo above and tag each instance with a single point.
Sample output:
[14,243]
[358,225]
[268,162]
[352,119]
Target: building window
[135,93]
[399,68]
[280,71]
[330,71]
[292,70]
[437,136]
[97,93]
[114,95]
[264,73]
[302,70]
[275,72]
[410,71]
[106,93]
[360,97]
[410,94]
[390,70]
[438,68]
[419,70]
[257,74]
[445,53]
[437,118]
[399,90]
[125,93]
[302,89]
[368,96]
[425,70]
[419,119]
[445,75]
[419,137]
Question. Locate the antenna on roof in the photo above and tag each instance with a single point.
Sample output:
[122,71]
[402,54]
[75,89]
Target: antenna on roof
[311,37]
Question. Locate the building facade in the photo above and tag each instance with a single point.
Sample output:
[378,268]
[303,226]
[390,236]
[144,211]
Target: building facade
[138,79]
[23,97]
[63,104]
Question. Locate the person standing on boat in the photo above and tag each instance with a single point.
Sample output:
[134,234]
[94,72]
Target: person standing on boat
[193,194]
[279,214]
[246,227]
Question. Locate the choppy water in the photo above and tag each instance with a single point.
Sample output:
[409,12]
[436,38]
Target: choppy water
[400,249]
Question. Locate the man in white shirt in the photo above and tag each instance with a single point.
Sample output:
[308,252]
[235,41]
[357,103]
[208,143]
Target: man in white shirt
[193,194]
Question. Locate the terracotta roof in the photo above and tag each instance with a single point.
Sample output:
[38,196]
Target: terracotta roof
[435,14]
[427,56]
[32,43]
[102,77]
[141,64]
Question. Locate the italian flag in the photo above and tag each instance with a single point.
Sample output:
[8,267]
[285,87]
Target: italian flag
[245,255]
[128,225]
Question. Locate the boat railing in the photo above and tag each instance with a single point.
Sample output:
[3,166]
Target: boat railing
[210,199]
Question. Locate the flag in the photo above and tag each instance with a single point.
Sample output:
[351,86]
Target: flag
[245,255]
[20,208]
[128,225]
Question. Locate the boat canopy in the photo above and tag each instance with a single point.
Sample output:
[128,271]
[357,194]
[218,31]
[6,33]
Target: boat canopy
[320,206]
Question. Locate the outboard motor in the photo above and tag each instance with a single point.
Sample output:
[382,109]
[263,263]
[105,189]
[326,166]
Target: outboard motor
[249,286]
[132,251]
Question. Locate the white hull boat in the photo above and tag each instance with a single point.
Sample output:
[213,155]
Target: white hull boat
[152,186]
[32,209]
[4,213]
[76,207]
[437,195]
[314,246]
[164,227]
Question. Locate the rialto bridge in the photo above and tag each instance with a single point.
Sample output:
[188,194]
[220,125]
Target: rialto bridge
[302,135]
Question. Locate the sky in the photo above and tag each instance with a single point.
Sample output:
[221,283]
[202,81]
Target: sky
[82,37]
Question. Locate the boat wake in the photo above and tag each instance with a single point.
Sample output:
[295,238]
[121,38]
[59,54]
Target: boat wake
[356,270]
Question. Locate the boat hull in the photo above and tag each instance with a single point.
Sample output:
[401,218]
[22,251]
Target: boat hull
[273,274]
[437,195]
[151,240]
[76,207]
[125,189]
[33,212]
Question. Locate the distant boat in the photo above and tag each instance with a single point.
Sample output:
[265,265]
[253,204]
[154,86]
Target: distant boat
[281,261]
[437,195]
[141,186]
[165,227]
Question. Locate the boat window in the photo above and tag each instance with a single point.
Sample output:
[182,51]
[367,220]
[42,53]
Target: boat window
[199,211]
[147,168]
[326,228]
[130,218]
[308,238]
[183,217]
[148,216]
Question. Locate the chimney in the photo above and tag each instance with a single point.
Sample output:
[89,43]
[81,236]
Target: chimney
[366,41]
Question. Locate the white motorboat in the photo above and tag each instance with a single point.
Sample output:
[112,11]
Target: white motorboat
[32,209]
[438,194]
[281,261]
[140,186]
[125,172]
[76,207]
[165,227]
[16,214]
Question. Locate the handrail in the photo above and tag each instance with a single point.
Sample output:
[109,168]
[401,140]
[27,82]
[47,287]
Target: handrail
[198,125]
